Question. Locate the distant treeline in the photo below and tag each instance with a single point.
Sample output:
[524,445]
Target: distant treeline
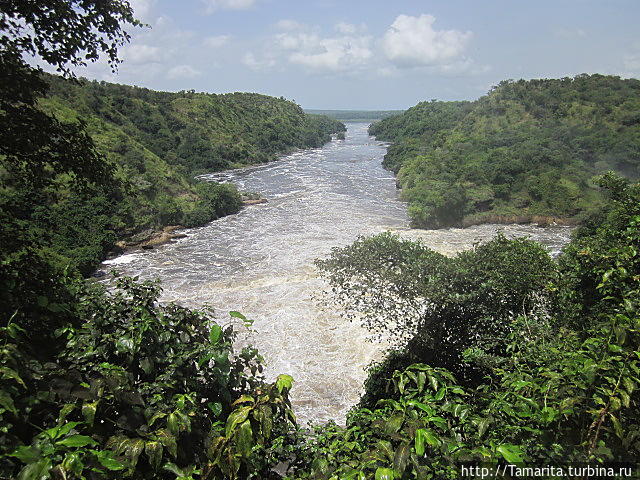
[356,115]
[528,148]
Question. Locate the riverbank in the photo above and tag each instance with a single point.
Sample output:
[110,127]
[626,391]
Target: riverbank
[152,238]
[537,220]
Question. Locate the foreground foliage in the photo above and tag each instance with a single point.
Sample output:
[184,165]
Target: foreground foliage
[525,151]
[136,389]
[547,369]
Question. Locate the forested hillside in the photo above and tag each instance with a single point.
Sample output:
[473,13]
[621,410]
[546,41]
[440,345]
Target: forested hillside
[194,132]
[527,149]
[157,142]
[355,115]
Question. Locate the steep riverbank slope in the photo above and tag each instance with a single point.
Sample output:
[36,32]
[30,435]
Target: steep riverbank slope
[527,149]
[157,142]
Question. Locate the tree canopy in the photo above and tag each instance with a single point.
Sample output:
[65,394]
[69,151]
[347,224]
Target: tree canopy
[528,149]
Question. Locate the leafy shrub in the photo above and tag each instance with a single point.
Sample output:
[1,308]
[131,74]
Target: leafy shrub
[138,390]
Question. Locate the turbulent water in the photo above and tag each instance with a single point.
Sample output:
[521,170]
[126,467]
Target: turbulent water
[260,262]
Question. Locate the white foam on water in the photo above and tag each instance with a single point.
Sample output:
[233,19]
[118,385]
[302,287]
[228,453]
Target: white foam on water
[260,262]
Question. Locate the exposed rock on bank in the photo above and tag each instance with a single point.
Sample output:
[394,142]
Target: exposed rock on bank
[540,220]
[149,239]
[255,201]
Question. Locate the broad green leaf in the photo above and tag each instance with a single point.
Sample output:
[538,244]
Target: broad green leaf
[284,382]
[73,463]
[511,453]
[247,321]
[431,438]
[173,424]
[106,459]
[153,450]
[235,418]
[401,458]
[423,436]
[394,424]
[439,422]
[425,408]
[77,441]
[36,471]
[125,345]
[61,430]
[245,439]
[266,420]
[215,447]
[434,382]
[215,334]
[206,359]
[65,411]
[386,449]
[118,443]
[156,417]
[169,441]
[6,402]
[134,449]
[244,399]
[89,412]
[26,454]
[617,427]
[384,474]
[354,475]
[10,374]
[626,399]
[482,424]
[173,468]
[215,407]
[419,442]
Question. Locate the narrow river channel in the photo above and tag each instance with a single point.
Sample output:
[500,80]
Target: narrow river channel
[260,262]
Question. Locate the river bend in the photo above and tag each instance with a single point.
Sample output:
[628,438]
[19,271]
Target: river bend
[260,262]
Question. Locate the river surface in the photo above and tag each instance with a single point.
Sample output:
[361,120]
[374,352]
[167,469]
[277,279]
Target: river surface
[260,262]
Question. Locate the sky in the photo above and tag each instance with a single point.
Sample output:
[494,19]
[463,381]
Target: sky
[373,54]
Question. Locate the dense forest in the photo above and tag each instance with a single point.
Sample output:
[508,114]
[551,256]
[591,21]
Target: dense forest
[355,115]
[502,356]
[158,142]
[527,149]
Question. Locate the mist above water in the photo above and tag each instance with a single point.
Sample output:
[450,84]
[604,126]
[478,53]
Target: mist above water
[260,262]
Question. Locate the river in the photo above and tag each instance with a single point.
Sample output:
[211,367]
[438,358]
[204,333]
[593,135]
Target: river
[260,262]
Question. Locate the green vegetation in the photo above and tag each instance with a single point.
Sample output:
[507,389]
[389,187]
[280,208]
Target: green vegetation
[504,356]
[355,115]
[152,144]
[528,148]
[193,133]
[158,142]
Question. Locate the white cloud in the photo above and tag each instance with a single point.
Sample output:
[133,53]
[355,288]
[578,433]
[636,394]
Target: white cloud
[409,42]
[302,46]
[217,41]
[290,25]
[413,42]
[182,71]
[346,28]
[251,61]
[141,54]
[214,5]
[142,8]
[334,54]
